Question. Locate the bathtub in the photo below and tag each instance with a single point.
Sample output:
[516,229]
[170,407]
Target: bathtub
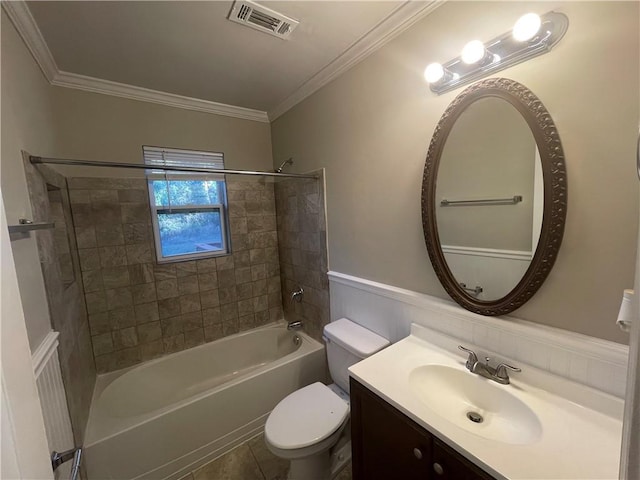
[168,416]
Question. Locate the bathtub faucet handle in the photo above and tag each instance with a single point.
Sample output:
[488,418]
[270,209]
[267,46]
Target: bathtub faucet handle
[297,295]
[297,325]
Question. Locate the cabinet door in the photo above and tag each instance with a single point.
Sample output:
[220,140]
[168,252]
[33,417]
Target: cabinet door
[386,444]
[448,464]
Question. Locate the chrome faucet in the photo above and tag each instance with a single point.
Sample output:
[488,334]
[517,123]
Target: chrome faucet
[297,325]
[498,374]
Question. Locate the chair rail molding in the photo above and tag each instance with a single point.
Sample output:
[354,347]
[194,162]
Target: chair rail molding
[43,352]
[390,311]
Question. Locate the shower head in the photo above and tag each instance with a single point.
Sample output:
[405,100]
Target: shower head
[286,162]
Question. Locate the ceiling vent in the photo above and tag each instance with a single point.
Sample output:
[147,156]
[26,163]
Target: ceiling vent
[262,18]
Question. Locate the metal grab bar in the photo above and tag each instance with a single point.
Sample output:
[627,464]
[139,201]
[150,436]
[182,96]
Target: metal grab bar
[74,454]
[488,201]
[475,291]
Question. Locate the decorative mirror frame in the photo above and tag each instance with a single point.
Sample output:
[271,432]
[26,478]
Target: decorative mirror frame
[555,193]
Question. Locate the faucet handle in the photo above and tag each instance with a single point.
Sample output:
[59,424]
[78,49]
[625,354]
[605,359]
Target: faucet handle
[501,371]
[296,325]
[472,359]
[296,295]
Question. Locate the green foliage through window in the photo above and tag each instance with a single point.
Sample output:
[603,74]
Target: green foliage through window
[189,216]
[183,233]
[186,192]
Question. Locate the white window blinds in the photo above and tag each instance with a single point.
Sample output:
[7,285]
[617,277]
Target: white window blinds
[171,157]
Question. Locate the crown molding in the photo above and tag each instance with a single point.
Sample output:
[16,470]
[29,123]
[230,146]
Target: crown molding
[107,87]
[395,23]
[390,27]
[25,24]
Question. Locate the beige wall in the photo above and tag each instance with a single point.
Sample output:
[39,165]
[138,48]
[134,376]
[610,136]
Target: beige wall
[101,127]
[371,128]
[489,153]
[27,123]
[60,122]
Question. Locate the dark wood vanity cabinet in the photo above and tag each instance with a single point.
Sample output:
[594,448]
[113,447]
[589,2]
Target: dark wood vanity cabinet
[388,445]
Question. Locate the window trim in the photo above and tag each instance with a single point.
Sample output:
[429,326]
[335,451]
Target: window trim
[220,207]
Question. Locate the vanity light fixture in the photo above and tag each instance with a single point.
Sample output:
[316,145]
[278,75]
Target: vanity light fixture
[433,73]
[474,52]
[527,27]
[532,35]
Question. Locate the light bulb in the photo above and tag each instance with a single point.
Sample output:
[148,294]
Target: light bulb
[434,72]
[473,52]
[526,27]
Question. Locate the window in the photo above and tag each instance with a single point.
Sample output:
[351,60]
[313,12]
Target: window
[188,208]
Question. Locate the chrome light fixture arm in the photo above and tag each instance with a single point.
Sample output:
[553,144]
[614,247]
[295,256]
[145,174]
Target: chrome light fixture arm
[499,53]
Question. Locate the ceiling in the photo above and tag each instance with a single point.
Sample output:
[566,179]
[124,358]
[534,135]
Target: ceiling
[191,49]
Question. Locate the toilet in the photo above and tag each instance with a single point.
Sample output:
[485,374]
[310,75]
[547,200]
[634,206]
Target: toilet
[307,425]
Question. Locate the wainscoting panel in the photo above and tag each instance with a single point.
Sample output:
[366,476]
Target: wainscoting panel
[46,368]
[390,311]
[495,271]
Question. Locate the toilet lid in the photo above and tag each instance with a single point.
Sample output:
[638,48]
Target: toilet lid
[305,417]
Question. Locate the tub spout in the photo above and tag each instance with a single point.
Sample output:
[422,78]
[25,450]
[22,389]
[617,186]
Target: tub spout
[294,325]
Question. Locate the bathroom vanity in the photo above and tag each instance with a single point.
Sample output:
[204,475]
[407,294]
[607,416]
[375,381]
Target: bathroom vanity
[386,444]
[418,412]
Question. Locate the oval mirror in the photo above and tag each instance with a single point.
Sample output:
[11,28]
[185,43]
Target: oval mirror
[494,196]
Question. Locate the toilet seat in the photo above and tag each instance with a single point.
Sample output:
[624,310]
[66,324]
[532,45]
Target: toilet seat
[306,417]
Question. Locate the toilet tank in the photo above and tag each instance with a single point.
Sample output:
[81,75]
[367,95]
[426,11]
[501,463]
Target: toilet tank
[347,344]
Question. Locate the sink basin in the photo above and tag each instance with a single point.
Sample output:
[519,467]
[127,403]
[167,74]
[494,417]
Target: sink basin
[475,404]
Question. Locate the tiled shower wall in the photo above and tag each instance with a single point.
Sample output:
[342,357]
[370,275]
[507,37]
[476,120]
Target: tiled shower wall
[138,309]
[302,238]
[63,284]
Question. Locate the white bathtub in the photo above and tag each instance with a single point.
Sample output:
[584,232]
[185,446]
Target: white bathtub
[166,417]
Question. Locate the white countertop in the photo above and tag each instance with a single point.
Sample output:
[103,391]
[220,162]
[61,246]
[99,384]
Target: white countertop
[581,427]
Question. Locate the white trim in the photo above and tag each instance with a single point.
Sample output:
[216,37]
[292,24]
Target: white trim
[629,459]
[53,399]
[611,352]
[43,353]
[395,23]
[25,24]
[487,252]
[107,87]
[390,311]
[20,401]
[390,27]
[10,467]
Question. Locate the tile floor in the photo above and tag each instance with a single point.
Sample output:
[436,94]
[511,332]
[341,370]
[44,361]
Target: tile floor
[249,461]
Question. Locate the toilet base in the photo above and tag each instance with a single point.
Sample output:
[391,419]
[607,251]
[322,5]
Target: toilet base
[340,456]
[315,467]
[323,466]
